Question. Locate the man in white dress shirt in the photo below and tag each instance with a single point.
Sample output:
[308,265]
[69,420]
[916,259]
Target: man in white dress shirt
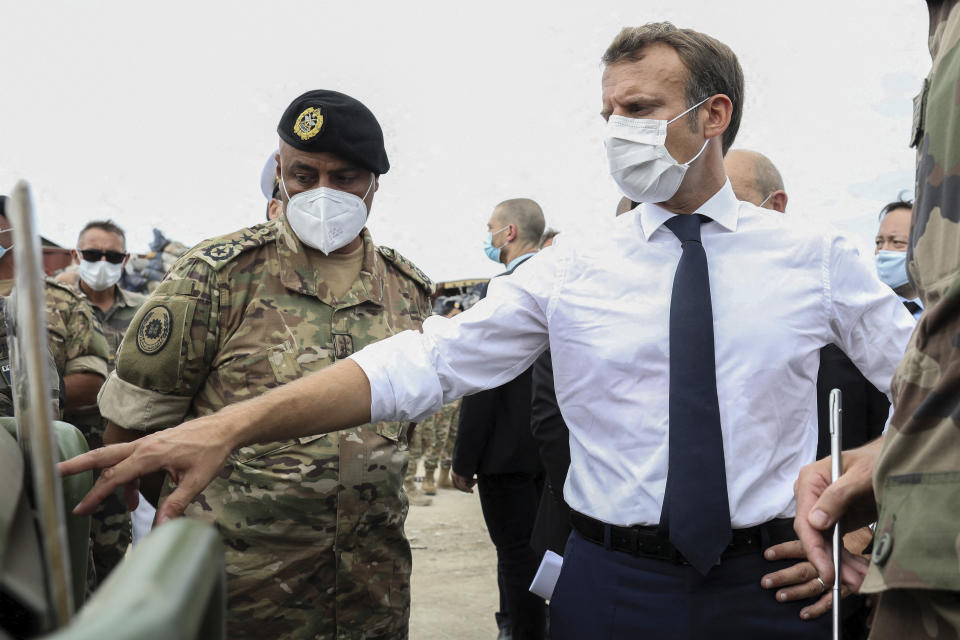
[643,397]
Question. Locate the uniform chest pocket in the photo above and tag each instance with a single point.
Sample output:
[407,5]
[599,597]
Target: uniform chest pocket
[254,374]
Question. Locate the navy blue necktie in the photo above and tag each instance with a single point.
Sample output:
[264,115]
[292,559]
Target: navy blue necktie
[696,513]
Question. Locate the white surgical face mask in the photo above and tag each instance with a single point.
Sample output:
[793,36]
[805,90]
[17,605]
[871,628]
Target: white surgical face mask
[100,275]
[326,219]
[640,163]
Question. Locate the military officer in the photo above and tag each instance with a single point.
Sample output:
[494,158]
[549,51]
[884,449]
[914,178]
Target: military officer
[313,526]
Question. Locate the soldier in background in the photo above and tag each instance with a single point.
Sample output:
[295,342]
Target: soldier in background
[80,353]
[74,335]
[100,256]
[447,419]
[440,437]
[313,526]
[415,494]
[915,467]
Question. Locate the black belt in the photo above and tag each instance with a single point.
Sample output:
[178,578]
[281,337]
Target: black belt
[647,542]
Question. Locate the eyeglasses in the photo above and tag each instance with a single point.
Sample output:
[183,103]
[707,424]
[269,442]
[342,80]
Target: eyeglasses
[96,255]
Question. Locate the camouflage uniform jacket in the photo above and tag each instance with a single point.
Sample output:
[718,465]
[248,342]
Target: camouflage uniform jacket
[917,477]
[6,377]
[313,526]
[75,337]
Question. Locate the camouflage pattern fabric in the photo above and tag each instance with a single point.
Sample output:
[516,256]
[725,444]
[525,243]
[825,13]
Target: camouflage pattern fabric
[421,433]
[111,530]
[917,477]
[439,441]
[313,526]
[904,614]
[6,388]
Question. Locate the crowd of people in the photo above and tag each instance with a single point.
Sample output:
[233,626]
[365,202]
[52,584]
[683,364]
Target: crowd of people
[648,404]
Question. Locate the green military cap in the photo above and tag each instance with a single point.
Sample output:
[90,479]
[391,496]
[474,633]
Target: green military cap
[323,120]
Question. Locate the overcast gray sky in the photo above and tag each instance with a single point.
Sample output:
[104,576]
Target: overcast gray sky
[162,114]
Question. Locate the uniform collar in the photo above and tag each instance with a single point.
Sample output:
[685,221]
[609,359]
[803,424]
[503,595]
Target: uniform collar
[298,275]
[124,298]
[722,208]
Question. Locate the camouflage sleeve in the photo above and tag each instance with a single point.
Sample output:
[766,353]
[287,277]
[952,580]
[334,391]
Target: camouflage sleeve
[166,352]
[75,335]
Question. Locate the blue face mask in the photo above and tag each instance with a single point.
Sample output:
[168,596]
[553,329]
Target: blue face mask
[892,268]
[492,252]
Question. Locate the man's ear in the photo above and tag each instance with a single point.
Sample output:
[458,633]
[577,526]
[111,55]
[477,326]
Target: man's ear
[719,110]
[778,200]
[75,256]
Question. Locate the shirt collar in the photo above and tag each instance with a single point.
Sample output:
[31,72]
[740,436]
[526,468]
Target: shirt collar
[722,208]
[516,261]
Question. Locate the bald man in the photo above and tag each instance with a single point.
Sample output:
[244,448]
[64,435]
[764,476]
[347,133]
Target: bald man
[495,444]
[755,179]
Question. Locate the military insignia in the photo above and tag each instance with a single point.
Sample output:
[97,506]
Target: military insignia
[220,252]
[154,330]
[308,123]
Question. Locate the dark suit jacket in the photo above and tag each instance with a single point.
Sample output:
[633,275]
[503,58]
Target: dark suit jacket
[552,527]
[865,407]
[494,432]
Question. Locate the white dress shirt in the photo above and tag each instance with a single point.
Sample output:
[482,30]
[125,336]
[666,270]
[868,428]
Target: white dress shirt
[780,291]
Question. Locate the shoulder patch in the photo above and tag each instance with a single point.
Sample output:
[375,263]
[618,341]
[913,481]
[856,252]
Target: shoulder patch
[154,330]
[218,252]
[406,267]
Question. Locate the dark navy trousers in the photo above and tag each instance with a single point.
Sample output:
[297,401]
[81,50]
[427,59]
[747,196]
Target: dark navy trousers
[609,595]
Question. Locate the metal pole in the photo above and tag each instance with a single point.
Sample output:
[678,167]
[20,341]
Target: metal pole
[34,420]
[836,468]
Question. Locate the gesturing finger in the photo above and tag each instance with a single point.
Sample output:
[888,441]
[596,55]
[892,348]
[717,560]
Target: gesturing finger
[96,459]
[124,472]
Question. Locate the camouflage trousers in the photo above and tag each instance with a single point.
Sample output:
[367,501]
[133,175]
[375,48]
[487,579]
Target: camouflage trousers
[917,614]
[315,546]
[438,439]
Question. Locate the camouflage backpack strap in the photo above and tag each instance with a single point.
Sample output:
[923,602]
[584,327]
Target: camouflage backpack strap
[218,252]
[409,269]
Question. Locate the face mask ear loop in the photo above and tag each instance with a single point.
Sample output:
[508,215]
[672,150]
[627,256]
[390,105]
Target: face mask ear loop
[373,178]
[694,158]
[688,111]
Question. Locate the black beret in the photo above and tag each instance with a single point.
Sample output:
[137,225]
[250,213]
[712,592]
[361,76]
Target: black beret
[324,120]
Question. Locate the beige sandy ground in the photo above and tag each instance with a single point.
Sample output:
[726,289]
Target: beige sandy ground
[454,583]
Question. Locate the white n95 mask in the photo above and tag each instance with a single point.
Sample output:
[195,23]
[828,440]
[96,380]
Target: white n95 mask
[640,163]
[326,219]
[100,275]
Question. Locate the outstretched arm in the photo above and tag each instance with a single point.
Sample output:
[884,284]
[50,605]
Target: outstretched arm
[193,453]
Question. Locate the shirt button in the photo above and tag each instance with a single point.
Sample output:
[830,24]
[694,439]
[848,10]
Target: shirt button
[882,549]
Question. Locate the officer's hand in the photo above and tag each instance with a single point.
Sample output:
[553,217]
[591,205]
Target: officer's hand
[820,504]
[462,483]
[191,454]
[800,581]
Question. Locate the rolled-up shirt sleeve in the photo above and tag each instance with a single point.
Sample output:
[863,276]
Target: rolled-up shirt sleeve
[413,374]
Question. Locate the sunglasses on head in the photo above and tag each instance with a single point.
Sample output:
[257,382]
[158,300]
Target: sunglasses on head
[96,255]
